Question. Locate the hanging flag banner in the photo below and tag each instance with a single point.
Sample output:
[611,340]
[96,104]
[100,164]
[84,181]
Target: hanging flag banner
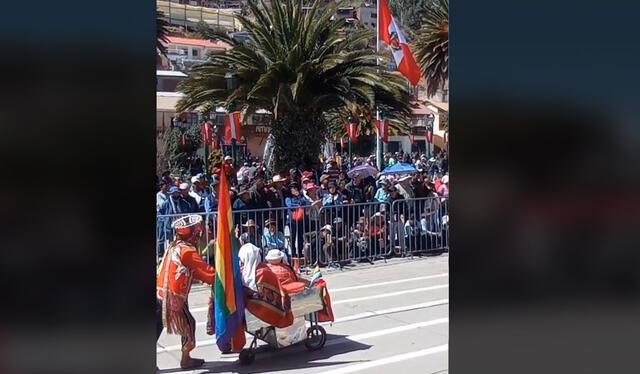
[412,139]
[391,34]
[429,135]
[446,137]
[342,143]
[352,131]
[232,127]
[206,131]
[183,139]
[383,129]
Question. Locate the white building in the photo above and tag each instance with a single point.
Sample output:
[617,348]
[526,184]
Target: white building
[185,52]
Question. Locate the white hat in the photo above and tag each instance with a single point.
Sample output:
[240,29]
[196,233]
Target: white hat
[327,227]
[184,186]
[195,178]
[274,256]
[337,220]
[445,179]
[227,158]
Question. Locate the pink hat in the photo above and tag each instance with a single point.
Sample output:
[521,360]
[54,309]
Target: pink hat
[310,186]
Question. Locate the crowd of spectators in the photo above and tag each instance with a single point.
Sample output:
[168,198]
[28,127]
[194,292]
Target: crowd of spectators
[329,215]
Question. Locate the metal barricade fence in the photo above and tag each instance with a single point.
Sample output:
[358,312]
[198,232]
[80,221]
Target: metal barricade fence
[419,226]
[329,235]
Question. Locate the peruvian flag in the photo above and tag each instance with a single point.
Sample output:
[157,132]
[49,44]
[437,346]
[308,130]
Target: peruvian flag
[446,137]
[383,129]
[183,140]
[352,131]
[429,135]
[391,34]
[412,139]
[342,143]
[206,131]
[232,129]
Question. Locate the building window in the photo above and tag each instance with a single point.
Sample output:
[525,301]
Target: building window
[374,15]
[195,52]
[373,24]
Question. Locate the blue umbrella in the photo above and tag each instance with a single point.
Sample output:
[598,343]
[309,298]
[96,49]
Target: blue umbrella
[400,168]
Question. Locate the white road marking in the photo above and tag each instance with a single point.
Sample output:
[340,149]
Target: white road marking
[344,339]
[338,302]
[378,296]
[332,291]
[389,360]
[388,331]
[389,311]
[377,312]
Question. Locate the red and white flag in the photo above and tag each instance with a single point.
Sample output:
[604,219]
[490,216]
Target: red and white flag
[391,34]
[342,143]
[383,129]
[206,131]
[352,131]
[412,139]
[446,137]
[429,135]
[232,127]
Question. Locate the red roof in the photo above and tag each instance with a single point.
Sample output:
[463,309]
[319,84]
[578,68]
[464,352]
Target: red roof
[197,42]
[421,109]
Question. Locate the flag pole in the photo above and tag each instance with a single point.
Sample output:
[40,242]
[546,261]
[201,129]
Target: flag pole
[378,141]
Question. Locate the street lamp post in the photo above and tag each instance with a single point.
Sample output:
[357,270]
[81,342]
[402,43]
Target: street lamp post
[350,119]
[232,84]
[429,126]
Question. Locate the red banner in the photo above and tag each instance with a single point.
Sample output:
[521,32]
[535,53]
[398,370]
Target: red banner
[429,135]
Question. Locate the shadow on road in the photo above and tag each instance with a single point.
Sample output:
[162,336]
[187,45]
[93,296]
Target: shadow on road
[269,360]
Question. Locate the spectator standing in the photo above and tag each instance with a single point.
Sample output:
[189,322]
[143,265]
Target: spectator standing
[184,191]
[324,185]
[162,195]
[332,171]
[382,195]
[296,203]
[443,190]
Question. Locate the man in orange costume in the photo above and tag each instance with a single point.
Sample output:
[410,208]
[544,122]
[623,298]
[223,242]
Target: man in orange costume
[180,264]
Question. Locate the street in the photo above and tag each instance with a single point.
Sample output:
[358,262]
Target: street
[389,317]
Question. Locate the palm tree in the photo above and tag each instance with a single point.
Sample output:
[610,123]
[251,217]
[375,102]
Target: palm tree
[300,67]
[433,46]
[162,33]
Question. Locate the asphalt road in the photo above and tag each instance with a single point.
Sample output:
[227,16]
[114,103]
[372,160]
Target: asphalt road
[390,317]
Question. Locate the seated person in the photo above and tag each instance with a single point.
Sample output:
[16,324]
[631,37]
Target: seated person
[272,237]
[265,297]
[276,262]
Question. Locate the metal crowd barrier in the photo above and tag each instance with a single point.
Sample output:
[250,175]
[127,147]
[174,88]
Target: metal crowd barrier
[331,235]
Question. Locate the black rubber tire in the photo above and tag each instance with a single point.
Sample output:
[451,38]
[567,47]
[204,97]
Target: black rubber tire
[247,357]
[316,337]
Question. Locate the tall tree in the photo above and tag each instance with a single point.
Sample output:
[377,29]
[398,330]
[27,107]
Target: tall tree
[299,66]
[432,50]
[162,33]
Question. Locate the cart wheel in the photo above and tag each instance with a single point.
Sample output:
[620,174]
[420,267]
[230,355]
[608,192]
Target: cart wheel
[316,337]
[247,357]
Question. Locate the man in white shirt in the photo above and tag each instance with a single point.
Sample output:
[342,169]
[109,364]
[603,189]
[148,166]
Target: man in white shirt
[162,195]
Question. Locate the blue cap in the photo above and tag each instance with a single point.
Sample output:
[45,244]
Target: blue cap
[174,189]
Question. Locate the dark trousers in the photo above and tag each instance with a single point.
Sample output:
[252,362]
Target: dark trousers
[297,232]
[187,314]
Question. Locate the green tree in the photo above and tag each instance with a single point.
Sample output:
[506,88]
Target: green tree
[162,33]
[432,52]
[299,66]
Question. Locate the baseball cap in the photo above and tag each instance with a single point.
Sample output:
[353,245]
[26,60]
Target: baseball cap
[174,189]
[227,158]
[195,178]
[184,186]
